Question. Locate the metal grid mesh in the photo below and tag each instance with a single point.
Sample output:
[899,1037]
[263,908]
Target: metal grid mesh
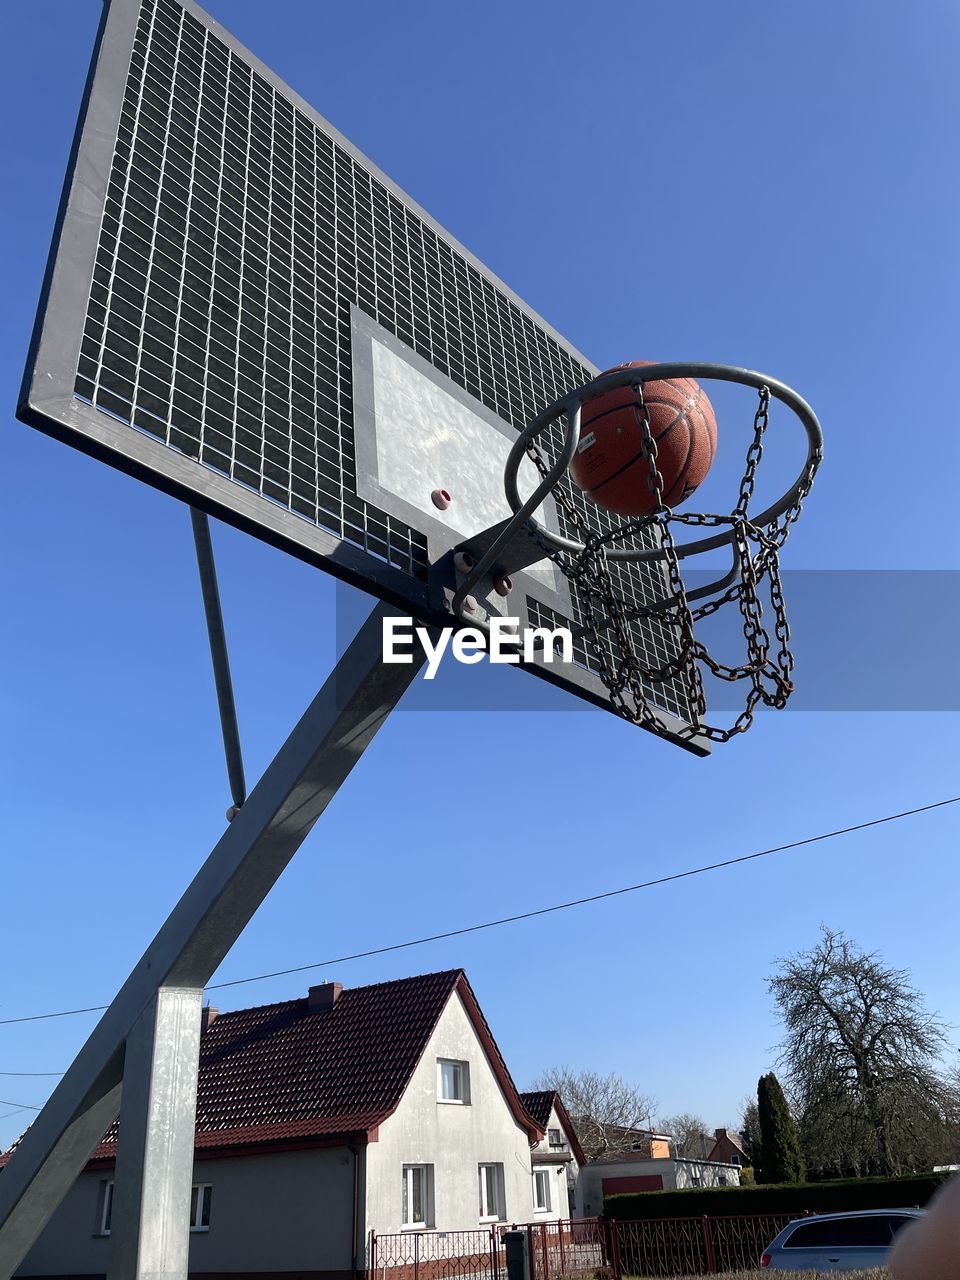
[235,236]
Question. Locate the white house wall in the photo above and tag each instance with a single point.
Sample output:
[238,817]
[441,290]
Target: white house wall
[568,1172]
[454,1139]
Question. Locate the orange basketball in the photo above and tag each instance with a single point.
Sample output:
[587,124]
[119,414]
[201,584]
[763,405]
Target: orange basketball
[609,465]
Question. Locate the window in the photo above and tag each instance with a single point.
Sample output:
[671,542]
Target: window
[417,1195]
[555,1139]
[734,1159]
[106,1207]
[200,1196]
[897,1224]
[870,1231]
[454,1081]
[492,1200]
[541,1190]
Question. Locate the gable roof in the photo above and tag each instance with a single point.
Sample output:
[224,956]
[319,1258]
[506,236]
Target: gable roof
[733,1138]
[539,1103]
[283,1073]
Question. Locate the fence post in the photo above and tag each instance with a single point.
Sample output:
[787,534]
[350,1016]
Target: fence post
[494,1255]
[416,1255]
[563,1266]
[614,1228]
[708,1245]
[545,1251]
[373,1253]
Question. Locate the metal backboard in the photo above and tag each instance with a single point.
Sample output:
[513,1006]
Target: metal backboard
[243,311]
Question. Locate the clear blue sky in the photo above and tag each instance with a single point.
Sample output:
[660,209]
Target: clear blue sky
[760,184]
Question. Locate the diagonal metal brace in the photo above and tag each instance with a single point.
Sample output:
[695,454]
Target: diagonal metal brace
[218,653]
[298,785]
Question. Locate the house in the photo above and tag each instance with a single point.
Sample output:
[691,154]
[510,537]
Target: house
[614,1138]
[386,1108]
[635,1171]
[557,1157]
[728,1148]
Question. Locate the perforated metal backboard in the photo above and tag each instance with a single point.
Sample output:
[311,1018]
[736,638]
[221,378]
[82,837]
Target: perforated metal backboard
[244,312]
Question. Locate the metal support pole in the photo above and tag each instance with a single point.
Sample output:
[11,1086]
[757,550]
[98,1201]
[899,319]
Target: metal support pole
[248,859]
[150,1231]
[218,652]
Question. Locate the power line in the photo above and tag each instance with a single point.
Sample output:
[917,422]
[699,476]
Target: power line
[62,1013]
[594,897]
[20,1106]
[540,911]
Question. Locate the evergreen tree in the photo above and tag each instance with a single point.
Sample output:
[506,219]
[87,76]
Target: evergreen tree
[780,1158]
[750,1132]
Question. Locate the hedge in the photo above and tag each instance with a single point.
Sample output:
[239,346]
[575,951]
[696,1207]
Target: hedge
[789,1197]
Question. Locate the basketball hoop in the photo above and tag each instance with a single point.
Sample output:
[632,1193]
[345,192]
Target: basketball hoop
[591,559]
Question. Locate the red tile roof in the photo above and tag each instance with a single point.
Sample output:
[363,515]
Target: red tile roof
[540,1103]
[281,1073]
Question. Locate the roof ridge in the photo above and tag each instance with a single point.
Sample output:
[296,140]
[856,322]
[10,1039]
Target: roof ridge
[369,986]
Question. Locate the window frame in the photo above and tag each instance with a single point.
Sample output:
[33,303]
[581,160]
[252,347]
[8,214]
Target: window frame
[203,1191]
[461,1073]
[544,1172]
[105,1220]
[407,1196]
[201,1198]
[500,1196]
[561,1141]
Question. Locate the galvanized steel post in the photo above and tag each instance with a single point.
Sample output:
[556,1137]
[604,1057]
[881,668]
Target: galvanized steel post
[150,1227]
[277,817]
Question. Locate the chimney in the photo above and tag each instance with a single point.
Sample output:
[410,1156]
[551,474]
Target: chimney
[207,1017]
[324,996]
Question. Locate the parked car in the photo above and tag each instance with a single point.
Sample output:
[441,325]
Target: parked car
[837,1241]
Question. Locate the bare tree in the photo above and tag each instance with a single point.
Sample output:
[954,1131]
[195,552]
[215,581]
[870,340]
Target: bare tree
[692,1140]
[605,1110]
[861,1060]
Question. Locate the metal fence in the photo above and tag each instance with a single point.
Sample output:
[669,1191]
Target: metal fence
[575,1248]
[581,1249]
[437,1255]
[566,1250]
[702,1246]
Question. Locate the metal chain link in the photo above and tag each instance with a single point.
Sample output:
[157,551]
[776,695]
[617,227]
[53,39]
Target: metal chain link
[610,629]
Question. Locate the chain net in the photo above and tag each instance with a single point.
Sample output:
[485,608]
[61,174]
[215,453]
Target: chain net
[766,673]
